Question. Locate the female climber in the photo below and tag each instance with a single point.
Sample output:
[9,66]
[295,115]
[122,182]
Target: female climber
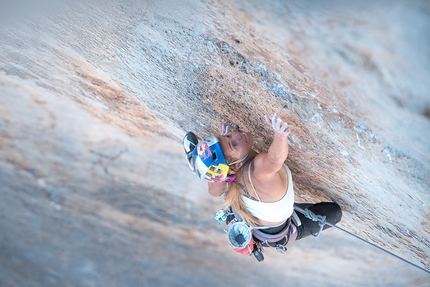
[257,187]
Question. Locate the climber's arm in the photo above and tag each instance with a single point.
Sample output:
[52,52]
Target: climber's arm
[217,188]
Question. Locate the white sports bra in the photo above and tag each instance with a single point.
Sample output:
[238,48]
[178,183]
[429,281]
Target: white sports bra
[271,211]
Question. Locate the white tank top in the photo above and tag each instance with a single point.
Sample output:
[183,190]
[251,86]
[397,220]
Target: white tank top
[273,211]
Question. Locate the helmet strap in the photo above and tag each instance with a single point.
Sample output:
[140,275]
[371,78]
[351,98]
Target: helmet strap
[239,160]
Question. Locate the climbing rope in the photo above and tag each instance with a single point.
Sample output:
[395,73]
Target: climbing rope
[322,221]
[312,216]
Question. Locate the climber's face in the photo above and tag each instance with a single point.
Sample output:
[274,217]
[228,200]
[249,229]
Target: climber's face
[236,145]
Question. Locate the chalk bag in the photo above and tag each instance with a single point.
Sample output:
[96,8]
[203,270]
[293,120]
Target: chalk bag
[240,237]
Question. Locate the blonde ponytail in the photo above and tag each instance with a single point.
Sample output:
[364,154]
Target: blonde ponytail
[233,199]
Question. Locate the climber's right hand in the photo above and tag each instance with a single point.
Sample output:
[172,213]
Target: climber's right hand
[278,125]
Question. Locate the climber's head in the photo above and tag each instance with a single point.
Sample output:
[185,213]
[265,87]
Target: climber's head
[213,157]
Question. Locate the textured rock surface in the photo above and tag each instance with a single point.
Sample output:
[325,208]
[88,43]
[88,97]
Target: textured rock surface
[96,97]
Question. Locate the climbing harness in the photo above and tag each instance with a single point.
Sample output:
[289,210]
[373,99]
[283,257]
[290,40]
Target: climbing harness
[249,240]
[321,220]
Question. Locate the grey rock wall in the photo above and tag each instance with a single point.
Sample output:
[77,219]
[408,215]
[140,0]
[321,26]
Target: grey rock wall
[95,99]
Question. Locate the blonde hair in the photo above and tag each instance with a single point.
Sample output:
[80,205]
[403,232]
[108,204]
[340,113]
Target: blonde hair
[234,199]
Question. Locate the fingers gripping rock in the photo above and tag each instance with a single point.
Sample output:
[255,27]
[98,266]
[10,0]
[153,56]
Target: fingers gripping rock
[224,129]
[228,127]
[278,125]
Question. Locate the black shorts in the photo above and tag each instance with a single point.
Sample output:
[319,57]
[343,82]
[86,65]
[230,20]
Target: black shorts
[330,210]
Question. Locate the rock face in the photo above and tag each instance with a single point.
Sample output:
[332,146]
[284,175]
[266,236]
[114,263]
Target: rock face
[95,99]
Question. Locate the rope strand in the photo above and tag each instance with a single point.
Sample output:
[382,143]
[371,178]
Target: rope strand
[321,219]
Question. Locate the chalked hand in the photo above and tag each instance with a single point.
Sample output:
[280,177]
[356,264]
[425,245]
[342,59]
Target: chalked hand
[278,125]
